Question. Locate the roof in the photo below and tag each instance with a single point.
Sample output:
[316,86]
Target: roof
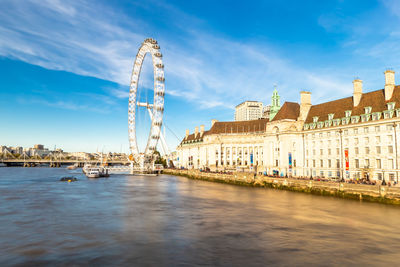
[374,99]
[229,127]
[289,110]
[238,126]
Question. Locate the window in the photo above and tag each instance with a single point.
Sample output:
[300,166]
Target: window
[329,142]
[337,163]
[377,129]
[390,149]
[307,163]
[307,152]
[337,151]
[356,141]
[377,139]
[330,116]
[366,140]
[391,164]
[356,150]
[348,113]
[367,163]
[322,163]
[346,132]
[389,127]
[365,129]
[315,119]
[357,163]
[346,141]
[328,134]
[368,110]
[356,131]
[378,164]
[378,150]
[390,138]
[313,163]
[391,176]
[391,106]
[329,151]
[313,152]
[320,135]
[367,150]
[329,163]
[321,152]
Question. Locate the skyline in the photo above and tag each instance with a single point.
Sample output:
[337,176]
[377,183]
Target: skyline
[67,66]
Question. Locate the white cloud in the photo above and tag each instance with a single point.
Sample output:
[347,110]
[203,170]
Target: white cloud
[90,39]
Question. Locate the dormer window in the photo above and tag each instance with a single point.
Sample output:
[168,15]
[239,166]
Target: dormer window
[315,119]
[368,110]
[347,113]
[355,119]
[376,116]
[330,116]
[391,105]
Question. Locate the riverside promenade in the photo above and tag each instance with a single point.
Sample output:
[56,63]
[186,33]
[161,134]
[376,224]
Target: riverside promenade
[362,192]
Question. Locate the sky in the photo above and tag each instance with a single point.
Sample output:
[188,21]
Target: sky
[66,65]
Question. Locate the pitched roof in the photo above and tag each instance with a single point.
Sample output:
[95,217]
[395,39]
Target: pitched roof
[238,126]
[374,99]
[289,110]
[228,127]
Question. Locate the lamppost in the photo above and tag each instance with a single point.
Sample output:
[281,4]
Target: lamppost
[341,155]
[395,147]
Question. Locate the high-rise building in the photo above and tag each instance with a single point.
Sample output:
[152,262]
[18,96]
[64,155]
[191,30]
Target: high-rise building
[248,110]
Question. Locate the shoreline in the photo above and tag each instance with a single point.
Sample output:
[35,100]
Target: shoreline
[360,192]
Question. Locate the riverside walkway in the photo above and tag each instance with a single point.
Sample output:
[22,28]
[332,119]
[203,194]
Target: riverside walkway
[371,193]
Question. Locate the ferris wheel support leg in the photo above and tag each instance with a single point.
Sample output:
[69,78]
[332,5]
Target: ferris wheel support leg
[164,146]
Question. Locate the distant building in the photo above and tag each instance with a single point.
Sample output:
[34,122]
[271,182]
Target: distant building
[40,147]
[266,112]
[248,110]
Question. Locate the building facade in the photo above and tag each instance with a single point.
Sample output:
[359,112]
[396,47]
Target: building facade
[352,138]
[248,110]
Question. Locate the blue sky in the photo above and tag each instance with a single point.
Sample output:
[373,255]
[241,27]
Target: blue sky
[65,65]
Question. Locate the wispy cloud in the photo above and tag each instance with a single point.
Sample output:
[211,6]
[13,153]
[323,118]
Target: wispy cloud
[94,40]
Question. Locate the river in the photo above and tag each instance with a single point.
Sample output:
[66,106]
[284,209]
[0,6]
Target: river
[169,221]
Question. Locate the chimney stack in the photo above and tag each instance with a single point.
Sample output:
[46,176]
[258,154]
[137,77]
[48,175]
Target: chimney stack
[305,104]
[196,131]
[389,84]
[357,93]
[213,121]
[201,130]
[187,133]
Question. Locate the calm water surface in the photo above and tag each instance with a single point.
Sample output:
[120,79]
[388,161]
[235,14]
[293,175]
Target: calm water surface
[167,220]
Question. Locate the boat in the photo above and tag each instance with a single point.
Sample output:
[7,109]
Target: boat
[3,164]
[93,173]
[72,167]
[68,179]
[96,172]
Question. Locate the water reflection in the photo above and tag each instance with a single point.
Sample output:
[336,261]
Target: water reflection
[166,220]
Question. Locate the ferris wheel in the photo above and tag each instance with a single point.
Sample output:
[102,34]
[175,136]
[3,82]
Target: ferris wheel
[155,109]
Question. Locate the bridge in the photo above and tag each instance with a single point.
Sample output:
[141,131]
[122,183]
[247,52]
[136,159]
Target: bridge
[59,162]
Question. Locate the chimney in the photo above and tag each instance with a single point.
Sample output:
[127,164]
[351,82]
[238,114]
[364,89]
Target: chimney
[213,121]
[305,104]
[389,84]
[196,131]
[187,133]
[201,130]
[357,93]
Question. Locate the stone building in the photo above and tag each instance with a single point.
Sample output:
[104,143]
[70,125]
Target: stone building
[353,137]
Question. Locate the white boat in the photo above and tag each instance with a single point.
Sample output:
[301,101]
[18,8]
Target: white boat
[72,167]
[2,164]
[93,173]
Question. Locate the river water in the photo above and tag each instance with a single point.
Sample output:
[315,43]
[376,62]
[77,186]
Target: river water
[170,221]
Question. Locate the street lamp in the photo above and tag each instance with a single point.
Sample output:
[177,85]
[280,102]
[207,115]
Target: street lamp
[341,155]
